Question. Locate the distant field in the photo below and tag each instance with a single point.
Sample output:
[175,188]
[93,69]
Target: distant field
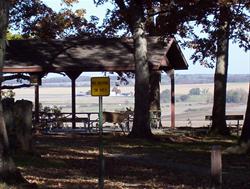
[180,89]
[192,110]
[184,88]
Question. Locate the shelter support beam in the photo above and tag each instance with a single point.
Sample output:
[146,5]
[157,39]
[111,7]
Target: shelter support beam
[36,80]
[73,76]
[73,100]
[36,103]
[172,105]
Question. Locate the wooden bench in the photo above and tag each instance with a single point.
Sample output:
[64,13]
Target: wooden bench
[229,117]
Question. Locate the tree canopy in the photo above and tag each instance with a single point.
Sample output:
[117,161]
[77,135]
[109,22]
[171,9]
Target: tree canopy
[34,19]
[204,42]
[194,23]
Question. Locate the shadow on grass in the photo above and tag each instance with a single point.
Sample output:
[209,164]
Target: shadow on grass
[167,162]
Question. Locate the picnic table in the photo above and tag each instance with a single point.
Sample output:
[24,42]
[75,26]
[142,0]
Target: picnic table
[52,120]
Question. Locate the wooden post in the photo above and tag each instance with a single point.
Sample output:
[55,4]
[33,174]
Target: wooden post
[37,103]
[216,167]
[73,76]
[172,99]
[73,100]
[238,127]
[36,80]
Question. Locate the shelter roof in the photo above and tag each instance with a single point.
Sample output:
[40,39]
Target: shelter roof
[88,54]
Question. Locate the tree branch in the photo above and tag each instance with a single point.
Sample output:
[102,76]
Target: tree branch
[15,87]
[121,5]
[126,13]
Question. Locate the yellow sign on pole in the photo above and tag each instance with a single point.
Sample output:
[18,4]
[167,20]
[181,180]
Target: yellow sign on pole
[100,86]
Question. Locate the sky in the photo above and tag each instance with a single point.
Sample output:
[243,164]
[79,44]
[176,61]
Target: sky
[239,61]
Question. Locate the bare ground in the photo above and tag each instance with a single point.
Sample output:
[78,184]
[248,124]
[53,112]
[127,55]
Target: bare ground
[169,161]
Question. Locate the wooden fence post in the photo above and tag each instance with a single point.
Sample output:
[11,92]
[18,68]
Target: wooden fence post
[216,167]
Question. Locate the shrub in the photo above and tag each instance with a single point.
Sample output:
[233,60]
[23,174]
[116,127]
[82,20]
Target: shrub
[50,113]
[165,96]
[183,98]
[204,91]
[195,91]
[236,96]
[8,94]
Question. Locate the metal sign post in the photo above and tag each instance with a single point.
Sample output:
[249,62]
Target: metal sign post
[101,157]
[100,86]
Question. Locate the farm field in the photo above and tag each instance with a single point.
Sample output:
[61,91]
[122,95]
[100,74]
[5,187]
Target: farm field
[194,109]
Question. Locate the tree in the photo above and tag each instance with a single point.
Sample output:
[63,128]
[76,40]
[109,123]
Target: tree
[155,76]
[219,125]
[243,145]
[154,97]
[141,124]
[131,13]
[172,18]
[11,36]
[8,171]
[195,91]
[220,21]
[245,134]
[116,90]
[166,93]
[131,16]
[34,19]
[224,20]
[236,96]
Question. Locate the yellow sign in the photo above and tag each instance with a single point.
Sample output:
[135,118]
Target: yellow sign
[100,86]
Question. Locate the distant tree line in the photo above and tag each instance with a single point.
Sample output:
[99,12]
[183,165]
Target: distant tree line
[233,95]
[180,79]
[236,96]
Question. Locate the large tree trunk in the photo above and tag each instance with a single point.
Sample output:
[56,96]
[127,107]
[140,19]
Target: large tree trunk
[154,100]
[8,106]
[8,171]
[245,134]
[6,163]
[141,124]
[155,76]
[219,126]
[7,166]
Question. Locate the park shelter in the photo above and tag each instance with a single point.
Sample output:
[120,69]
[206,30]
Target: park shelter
[75,56]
